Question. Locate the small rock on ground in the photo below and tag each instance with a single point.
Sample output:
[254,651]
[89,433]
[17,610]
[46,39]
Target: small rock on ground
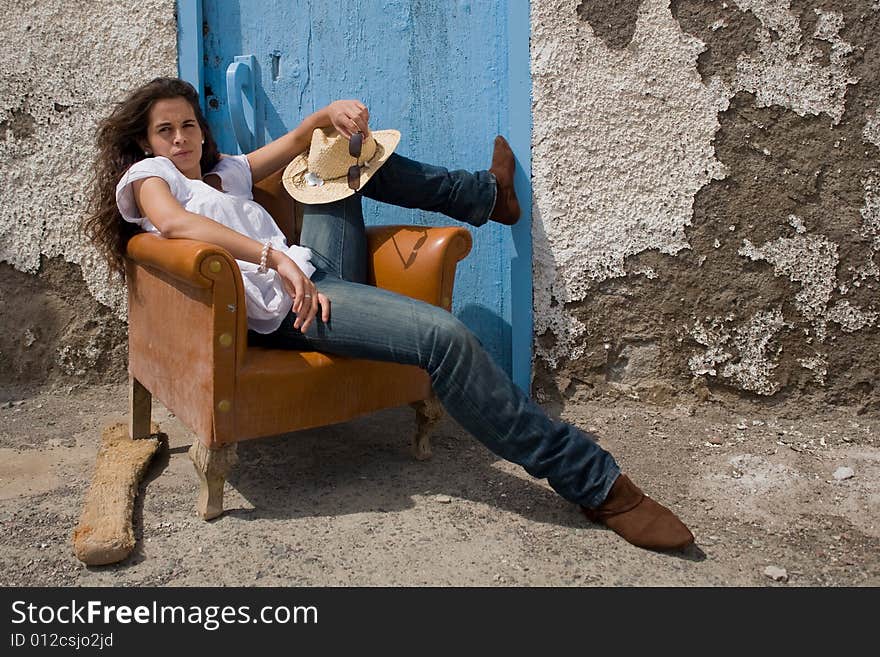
[844,472]
[776,574]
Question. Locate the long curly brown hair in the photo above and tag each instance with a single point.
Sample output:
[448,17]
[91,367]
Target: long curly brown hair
[119,138]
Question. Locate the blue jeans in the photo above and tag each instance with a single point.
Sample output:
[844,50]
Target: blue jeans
[367,322]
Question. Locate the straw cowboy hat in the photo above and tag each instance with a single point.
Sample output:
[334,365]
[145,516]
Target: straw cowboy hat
[321,174]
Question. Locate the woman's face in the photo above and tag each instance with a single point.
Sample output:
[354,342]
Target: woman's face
[174,132]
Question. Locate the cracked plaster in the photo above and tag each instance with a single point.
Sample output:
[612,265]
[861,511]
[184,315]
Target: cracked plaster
[646,121]
[753,342]
[62,65]
[870,213]
[871,133]
[810,260]
[786,68]
[850,317]
[757,353]
[818,365]
[587,224]
[619,149]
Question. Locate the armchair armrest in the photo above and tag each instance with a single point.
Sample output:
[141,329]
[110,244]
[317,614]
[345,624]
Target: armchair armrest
[179,258]
[187,328]
[418,261]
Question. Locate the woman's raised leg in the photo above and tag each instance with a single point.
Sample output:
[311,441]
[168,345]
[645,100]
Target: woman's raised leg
[473,197]
[336,235]
[335,231]
[463,195]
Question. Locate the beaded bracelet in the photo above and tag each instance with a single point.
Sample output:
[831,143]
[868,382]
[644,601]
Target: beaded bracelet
[264,255]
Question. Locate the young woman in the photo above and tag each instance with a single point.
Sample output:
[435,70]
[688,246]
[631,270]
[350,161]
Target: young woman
[158,169]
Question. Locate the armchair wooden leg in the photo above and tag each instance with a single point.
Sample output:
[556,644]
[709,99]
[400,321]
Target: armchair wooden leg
[428,413]
[139,408]
[212,466]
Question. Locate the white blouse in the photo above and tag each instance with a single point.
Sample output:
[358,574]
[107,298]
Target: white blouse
[268,303]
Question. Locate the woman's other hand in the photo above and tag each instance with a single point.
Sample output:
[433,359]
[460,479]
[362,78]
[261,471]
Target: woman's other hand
[306,298]
[349,116]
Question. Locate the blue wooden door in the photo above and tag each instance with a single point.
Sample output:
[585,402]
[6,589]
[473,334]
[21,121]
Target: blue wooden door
[436,71]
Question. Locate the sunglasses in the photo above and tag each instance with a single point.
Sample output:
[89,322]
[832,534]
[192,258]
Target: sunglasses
[355,145]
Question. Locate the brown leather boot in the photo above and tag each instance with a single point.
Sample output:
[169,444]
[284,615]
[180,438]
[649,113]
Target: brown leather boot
[506,210]
[640,520]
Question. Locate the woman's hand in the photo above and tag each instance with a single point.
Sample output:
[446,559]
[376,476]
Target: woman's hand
[306,298]
[349,116]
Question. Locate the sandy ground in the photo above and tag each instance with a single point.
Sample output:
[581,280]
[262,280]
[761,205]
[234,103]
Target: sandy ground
[347,505]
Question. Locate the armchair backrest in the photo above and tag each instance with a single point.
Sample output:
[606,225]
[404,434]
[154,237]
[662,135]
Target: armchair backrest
[286,212]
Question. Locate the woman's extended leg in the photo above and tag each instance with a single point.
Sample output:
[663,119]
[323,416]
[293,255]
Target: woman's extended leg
[368,322]
[335,231]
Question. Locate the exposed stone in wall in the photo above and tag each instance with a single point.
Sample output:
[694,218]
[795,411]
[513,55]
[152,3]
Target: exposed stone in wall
[54,329]
[62,65]
[765,278]
[614,21]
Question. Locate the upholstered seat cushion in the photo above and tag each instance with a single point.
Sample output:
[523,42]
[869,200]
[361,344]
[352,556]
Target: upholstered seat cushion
[310,389]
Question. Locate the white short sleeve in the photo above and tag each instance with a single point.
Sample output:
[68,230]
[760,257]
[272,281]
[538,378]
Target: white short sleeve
[235,175]
[151,167]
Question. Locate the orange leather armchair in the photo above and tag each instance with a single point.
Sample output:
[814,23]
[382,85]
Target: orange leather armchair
[187,344]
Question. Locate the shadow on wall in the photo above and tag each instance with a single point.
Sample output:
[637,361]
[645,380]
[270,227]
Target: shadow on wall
[552,382]
[483,321]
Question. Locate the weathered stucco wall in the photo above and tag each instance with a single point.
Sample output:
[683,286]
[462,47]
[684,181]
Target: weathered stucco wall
[706,184]
[707,197]
[62,65]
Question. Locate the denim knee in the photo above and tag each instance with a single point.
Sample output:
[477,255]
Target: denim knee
[450,342]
